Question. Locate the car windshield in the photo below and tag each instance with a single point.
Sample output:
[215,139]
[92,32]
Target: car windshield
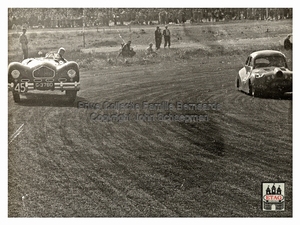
[266,61]
[50,55]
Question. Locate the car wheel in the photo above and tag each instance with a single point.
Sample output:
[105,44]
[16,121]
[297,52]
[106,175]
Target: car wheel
[251,89]
[16,97]
[71,95]
[237,82]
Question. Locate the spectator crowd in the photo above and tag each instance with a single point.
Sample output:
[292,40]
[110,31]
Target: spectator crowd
[76,17]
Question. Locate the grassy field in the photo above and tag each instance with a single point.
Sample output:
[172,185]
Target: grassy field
[189,41]
[63,163]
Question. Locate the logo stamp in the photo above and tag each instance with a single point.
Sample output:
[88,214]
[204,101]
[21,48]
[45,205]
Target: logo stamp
[273,196]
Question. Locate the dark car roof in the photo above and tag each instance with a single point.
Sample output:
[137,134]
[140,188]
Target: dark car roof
[266,53]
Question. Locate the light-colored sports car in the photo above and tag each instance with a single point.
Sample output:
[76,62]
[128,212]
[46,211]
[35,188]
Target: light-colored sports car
[44,73]
[265,71]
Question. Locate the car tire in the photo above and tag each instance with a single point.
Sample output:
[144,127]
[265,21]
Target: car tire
[71,95]
[238,83]
[251,90]
[16,97]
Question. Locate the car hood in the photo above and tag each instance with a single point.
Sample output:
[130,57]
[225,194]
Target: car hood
[271,70]
[33,62]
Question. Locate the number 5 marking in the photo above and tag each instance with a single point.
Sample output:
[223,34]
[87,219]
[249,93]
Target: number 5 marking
[20,87]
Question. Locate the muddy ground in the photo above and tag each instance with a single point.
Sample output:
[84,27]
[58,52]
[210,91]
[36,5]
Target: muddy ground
[63,161]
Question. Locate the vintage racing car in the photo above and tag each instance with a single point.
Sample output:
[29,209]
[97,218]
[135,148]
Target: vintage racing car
[44,73]
[265,71]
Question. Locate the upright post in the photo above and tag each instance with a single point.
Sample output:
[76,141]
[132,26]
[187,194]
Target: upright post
[83,24]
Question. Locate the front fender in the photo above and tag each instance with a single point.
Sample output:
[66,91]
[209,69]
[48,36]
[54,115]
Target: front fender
[17,66]
[63,69]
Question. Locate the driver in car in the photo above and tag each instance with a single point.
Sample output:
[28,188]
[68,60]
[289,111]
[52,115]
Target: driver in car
[59,55]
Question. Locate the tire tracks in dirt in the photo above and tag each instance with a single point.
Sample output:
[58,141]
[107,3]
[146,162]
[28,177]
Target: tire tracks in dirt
[79,167]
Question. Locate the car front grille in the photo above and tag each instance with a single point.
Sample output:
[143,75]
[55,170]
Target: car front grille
[43,72]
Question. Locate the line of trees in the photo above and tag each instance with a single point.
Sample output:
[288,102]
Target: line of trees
[74,17]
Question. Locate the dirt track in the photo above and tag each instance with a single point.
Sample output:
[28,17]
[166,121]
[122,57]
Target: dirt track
[64,164]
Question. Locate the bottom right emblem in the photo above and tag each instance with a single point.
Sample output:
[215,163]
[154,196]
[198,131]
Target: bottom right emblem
[273,196]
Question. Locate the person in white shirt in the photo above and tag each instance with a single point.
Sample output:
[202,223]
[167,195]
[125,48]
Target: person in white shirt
[167,37]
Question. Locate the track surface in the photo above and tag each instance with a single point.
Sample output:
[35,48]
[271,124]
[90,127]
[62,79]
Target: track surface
[64,164]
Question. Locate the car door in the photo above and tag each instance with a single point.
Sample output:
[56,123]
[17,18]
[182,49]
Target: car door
[245,73]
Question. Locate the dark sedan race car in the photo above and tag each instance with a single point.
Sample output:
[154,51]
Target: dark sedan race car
[265,72]
[44,74]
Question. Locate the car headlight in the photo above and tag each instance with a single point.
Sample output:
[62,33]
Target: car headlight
[15,74]
[71,73]
[258,75]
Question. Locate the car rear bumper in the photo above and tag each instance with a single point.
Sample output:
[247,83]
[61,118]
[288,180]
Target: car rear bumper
[62,86]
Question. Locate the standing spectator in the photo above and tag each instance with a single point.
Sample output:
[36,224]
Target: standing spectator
[287,44]
[167,37]
[24,43]
[158,38]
